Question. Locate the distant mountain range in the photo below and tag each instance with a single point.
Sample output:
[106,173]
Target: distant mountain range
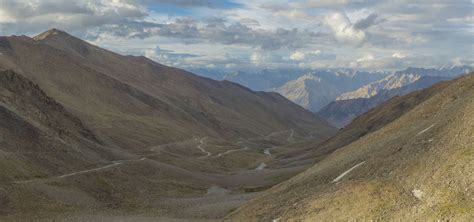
[341,112]
[259,80]
[349,105]
[400,79]
[339,96]
[317,89]
[271,79]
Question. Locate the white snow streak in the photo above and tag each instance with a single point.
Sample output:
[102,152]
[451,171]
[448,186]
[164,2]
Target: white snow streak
[345,173]
[425,130]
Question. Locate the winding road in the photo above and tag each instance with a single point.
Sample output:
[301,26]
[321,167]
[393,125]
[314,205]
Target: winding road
[154,148]
[115,163]
[231,151]
[290,137]
[201,143]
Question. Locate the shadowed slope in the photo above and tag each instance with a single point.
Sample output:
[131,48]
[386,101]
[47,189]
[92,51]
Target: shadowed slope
[128,101]
[38,134]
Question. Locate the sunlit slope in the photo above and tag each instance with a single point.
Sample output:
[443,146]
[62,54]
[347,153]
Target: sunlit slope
[420,166]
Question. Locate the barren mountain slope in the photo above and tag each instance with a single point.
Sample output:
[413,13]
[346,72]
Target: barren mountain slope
[128,101]
[87,131]
[38,134]
[54,167]
[420,166]
[311,151]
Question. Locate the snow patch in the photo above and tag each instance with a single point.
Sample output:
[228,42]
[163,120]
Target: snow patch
[261,166]
[417,193]
[267,152]
[425,130]
[346,172]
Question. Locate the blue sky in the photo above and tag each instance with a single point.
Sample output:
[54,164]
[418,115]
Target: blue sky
[260,34]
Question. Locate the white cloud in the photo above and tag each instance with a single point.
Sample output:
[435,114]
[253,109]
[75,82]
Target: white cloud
[260,33]
[344,30]
[328,3]
[168,57]
[5,17]
[398,55]
[307,55]
[298,56]
[259,58]
[366,58]
[468,19]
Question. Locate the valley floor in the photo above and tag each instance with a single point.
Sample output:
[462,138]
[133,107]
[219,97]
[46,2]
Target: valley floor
[245,168]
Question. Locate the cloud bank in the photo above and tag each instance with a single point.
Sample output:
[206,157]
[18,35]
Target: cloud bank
[364,34]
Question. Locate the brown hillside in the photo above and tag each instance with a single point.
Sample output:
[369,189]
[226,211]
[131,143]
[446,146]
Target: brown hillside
[130,100]
[418,166]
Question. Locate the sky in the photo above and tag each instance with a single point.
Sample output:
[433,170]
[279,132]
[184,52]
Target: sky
[262,34]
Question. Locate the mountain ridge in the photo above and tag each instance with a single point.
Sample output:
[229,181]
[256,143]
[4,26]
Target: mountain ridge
[342,112]
[315,90]
[402,78]
[144,83]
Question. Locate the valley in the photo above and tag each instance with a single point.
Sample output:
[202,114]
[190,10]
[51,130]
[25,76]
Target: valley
[87,134]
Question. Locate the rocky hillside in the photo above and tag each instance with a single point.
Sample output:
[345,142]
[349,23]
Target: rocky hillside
[416,166]
[39,136]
